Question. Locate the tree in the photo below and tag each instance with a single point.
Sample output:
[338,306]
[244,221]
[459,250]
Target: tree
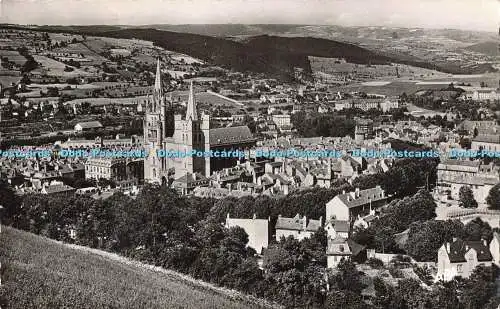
[348,278]
[466,197]
[493,198]
[425,238]
[419,207]
[477,229]
[345,299]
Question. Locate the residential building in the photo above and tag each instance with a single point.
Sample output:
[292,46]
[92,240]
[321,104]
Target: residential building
[298,227]
[258,231]
[459,258]
[454,174]
[88,126]
[347,206]
[340,248]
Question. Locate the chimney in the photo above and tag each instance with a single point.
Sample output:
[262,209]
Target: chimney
[321,221]
[343,191]
[466,248]
[454,239]
[485,242]
[448,247]
[227,216]
[353,195]
[357,192]
[304,223]
[254,216]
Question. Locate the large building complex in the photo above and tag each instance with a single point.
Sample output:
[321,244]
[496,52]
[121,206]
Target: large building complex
[191,133]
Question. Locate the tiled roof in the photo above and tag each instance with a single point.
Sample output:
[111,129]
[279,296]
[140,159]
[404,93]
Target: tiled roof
[341,226]
[459,248]
[297,224]
[230,135]
[451,164]
[89,124]
[57,189]
[190,180]
[363,197]
[487,138]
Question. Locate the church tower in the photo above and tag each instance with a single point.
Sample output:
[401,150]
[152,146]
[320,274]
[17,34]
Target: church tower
[155,168]
[192,134]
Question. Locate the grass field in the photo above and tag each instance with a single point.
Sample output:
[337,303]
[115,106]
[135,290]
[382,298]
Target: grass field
[13,56]
[56,68]
[41,273]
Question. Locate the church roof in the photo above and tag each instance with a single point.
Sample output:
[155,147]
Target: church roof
[191,111]
[158,77]
[230,136]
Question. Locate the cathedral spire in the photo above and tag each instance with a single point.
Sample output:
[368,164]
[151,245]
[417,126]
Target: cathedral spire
[191,105]
[158,78]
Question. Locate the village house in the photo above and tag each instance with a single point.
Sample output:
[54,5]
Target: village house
[454,174]
[258,231]
[336,228]
[459,258]
[347,206]
[298,227]
[186,184]
[87,126]
[489,142]
[340,248]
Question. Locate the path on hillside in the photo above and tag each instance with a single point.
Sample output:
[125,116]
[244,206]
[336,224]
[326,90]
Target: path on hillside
[176,276]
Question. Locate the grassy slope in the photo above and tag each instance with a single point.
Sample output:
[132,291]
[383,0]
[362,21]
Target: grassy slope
[40,273]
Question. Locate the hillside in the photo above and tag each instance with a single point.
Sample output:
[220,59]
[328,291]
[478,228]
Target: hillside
[41,273]
[489,48]
[274,55]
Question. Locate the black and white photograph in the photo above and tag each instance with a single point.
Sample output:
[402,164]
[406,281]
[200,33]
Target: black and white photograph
[262,154]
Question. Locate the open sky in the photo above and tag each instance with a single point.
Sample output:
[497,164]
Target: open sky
[461,14]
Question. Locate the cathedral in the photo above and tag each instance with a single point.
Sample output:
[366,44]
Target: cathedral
[191,132]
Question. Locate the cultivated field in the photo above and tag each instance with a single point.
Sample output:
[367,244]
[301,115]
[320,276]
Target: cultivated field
[56,68]
[41,273]
[331,66]
[13,56]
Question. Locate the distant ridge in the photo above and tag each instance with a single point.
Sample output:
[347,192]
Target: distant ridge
[275,55]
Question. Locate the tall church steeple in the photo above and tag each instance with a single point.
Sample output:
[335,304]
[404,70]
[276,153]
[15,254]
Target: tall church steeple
[158,88]
[191,111]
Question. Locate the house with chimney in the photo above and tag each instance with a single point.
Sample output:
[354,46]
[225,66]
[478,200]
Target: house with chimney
[299,227]
[186,184]
[459,258]
[258,231]
[336,228]
[340,248]
[347,206]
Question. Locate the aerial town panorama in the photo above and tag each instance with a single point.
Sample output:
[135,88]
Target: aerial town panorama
[249,165]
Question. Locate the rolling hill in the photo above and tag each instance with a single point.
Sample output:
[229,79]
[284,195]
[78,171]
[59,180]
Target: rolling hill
[277,56]
[41,273]
[489,48]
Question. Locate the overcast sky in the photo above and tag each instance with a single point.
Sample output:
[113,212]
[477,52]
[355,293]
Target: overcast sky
[461,14]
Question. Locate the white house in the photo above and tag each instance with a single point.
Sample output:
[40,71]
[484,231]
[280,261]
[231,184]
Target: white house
[256,229]
[459,258]
[347,206]
[87,126]
[336,228]
[298,227]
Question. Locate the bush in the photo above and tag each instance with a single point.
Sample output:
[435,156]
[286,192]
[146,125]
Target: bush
[375,263]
